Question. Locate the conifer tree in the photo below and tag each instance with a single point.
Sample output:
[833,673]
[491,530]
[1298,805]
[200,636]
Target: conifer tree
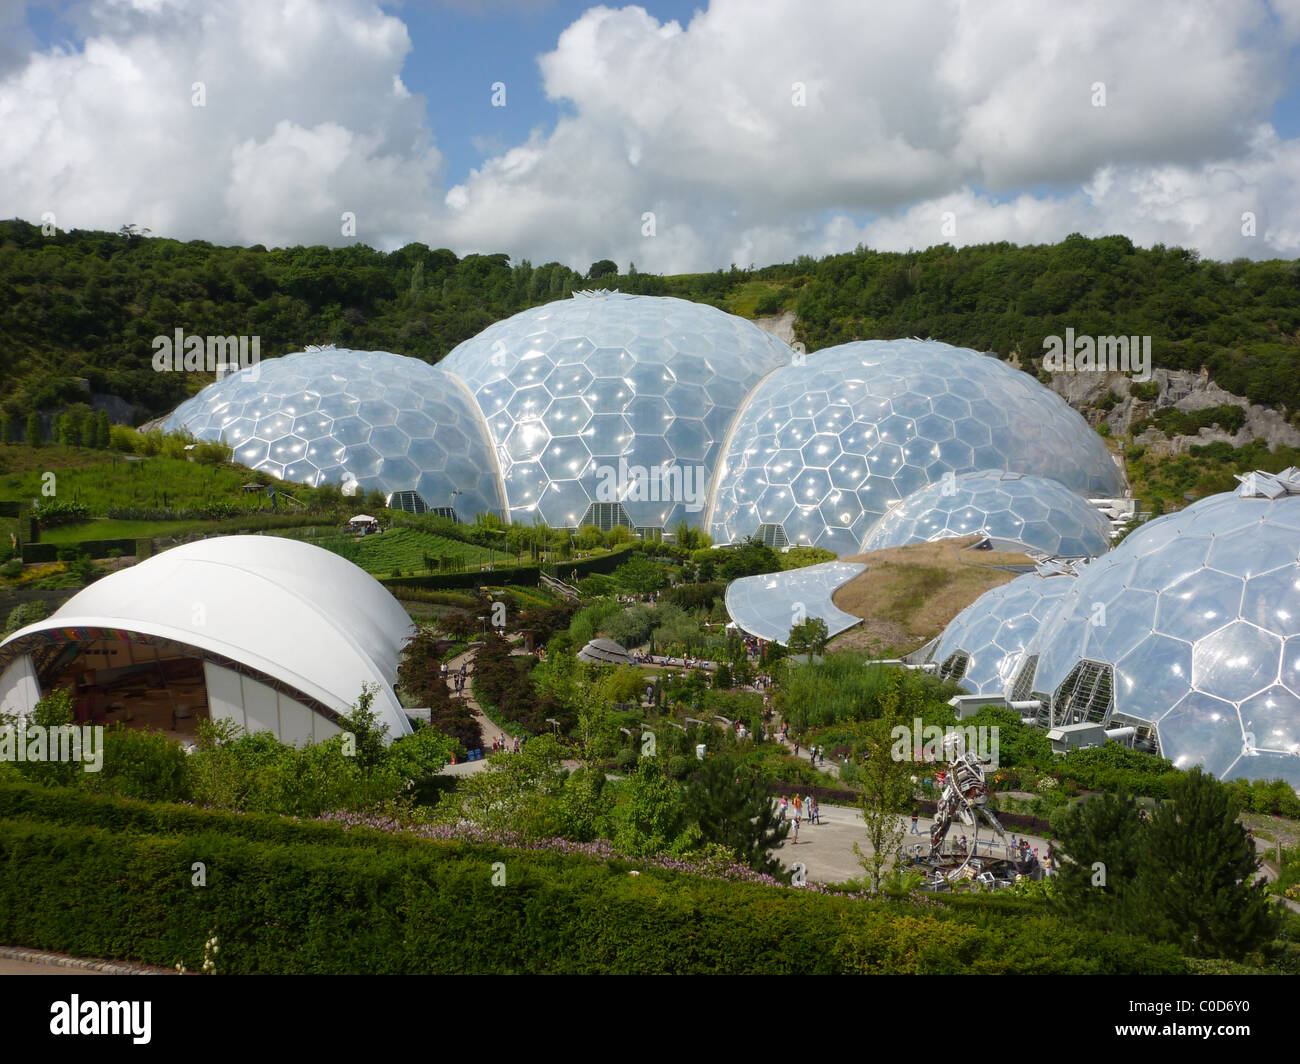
[1195,872]
[1098,844]
[732,807]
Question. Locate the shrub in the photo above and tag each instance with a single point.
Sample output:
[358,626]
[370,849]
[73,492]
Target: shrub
[51,513]
[288,897]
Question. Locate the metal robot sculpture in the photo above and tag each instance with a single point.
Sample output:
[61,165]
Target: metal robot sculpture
[965,795]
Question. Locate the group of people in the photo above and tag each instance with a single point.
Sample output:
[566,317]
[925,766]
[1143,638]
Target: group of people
[1025,852]
[798,809]
[458,677]
[816,754]
[500,744]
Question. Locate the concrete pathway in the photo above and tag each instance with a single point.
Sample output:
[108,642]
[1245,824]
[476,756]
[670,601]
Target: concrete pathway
[826,849]
[17,960]
[489,729]
[831,768]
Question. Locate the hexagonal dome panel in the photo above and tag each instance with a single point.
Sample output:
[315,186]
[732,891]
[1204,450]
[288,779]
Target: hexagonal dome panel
[1033,512]
[913,410]
[316,416]
[657,368]
[993,631]
[1213,667]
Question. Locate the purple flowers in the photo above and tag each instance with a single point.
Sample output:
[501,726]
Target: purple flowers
[600,849]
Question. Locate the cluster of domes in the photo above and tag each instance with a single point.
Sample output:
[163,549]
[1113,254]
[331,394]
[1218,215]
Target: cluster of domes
[646,411]
[825,446]
[1188,632]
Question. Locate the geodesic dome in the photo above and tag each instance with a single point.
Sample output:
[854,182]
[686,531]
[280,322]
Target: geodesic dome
[825,447]
[982,647]
[1190,631]
[1033,512]
[570,388]
[394,423]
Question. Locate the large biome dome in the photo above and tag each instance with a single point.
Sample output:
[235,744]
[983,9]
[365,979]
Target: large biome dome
[1189,630]
[824,448]
[575,387]
[393,423]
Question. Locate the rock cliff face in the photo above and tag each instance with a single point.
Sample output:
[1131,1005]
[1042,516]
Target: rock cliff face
[1176,388]
[781,326]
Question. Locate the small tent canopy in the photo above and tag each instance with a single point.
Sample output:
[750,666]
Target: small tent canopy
[604,652]
[362,519]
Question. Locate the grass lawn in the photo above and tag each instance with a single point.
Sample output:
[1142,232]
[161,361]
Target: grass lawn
[404,549]
[100,479]
[909,594]
[743,299]
[103,528]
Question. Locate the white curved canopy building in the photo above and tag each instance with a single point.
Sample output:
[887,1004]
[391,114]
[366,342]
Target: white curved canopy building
[273,634]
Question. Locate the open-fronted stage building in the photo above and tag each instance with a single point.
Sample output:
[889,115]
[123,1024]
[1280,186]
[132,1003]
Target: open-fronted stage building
[270,633]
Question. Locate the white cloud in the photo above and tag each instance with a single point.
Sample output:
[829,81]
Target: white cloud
[915,110]
[305,117]
[909,110]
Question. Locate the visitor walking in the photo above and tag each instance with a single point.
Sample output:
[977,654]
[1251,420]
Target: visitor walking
[814,811]
[798,808]
[916,830]
[785,805]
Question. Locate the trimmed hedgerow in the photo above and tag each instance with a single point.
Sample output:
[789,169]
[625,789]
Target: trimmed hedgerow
[300,897]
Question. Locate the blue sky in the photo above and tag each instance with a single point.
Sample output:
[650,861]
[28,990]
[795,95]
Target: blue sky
[455,48]
[458,54]
[914,113]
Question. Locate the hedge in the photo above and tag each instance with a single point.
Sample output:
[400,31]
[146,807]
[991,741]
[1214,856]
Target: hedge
[603,564]
[311,898]
[71,806]
[92,548]
[526,575]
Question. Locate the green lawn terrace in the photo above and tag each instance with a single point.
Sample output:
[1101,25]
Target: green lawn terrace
[111,504]
[399,551]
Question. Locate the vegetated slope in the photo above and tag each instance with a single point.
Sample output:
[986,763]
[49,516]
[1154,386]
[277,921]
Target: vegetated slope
[88,304]
[908,594]
[401,549]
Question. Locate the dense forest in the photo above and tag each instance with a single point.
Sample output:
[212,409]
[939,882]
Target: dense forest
[87,305]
